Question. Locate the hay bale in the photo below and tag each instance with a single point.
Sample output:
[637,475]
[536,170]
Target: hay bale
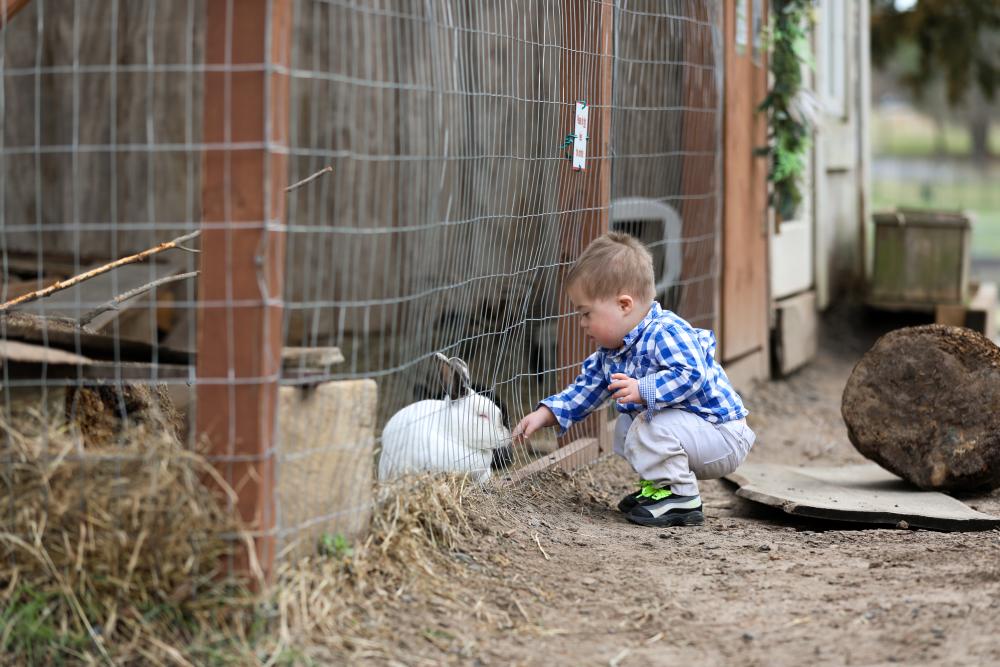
[326,440]
[101,414]
[924,403]
[113,554]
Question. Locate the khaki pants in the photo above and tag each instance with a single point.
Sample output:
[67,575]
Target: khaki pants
[675,448]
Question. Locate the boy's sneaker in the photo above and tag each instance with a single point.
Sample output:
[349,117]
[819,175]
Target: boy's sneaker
[646,489]
[663,508]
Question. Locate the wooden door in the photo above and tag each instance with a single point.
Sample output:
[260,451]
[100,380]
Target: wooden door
[744,326]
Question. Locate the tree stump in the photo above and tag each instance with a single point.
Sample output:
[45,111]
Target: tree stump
[924,403]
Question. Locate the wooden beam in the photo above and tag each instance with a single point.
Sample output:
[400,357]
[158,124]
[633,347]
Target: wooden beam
[573,455]
[584,196]
[744,304]
[9,9]
[242,261]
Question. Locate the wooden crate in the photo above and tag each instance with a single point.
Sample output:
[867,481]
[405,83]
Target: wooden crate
[921,259]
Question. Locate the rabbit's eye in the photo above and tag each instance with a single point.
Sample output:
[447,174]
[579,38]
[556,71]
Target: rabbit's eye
[483,415]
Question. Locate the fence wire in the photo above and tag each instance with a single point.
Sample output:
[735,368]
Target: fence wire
[442,227]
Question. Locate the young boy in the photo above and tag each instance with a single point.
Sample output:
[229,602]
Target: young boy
[680,418]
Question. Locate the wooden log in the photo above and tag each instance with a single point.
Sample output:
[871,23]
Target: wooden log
[924,403]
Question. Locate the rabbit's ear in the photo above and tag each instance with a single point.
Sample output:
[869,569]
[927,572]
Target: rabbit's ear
[454,376]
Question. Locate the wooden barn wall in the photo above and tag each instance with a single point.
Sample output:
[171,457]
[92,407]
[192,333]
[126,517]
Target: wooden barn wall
[442,131]
[667,133]
[79,74]
[439,220]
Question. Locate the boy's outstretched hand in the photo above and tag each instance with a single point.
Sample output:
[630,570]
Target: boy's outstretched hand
[540,418]
[625,389]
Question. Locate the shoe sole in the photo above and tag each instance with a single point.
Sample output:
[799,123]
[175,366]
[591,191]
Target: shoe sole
[695,518]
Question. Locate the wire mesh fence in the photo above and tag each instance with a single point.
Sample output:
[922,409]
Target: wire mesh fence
[442,218]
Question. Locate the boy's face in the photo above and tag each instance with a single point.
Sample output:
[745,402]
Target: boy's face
[605,321]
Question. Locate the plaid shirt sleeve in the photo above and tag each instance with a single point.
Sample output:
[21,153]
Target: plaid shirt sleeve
[578,400]
[680,356]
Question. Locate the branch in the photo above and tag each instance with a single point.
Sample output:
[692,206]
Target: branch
[69,282]
[309,179]
[121,298]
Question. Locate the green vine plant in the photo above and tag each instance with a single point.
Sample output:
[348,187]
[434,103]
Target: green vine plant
[789,105]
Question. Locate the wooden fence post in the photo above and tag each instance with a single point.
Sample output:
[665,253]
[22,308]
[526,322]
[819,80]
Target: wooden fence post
[244,174]
[584,196]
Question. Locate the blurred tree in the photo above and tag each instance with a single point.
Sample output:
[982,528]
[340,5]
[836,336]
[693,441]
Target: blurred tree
[958,43]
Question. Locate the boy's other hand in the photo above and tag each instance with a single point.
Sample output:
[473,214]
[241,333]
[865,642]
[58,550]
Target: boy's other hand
[625,389]
[540,418]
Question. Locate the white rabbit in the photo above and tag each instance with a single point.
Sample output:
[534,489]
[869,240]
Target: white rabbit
[457,434]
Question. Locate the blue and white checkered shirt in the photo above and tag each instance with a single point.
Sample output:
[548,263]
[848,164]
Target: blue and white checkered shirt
[676,368]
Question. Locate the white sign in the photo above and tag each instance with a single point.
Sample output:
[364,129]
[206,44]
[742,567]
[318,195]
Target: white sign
[580,131]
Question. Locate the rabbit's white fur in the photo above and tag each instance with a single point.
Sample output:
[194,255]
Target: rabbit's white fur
[451,435]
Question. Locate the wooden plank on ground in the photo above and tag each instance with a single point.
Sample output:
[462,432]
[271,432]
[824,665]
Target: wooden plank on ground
[864,493]
[20,352]
[569,457]
[311,357]
[64,334]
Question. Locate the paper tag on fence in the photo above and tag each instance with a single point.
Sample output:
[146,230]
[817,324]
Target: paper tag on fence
[580,143]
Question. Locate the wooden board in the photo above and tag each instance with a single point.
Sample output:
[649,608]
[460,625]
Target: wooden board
[744,234]
[864,493]
[569,457]
[136,319]
[796,329]
[65,335]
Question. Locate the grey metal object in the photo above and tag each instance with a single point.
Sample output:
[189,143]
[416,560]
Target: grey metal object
[862,493]
[659,226]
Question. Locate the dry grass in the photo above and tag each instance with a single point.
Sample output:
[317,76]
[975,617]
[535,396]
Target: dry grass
[432,579]
[115,554]
[352,606]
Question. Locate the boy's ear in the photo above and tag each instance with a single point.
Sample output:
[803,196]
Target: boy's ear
[625,303]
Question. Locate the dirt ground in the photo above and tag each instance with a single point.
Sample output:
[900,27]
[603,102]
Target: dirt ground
[562,578]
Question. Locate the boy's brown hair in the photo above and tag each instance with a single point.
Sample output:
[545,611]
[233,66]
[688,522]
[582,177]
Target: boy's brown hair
[613,264]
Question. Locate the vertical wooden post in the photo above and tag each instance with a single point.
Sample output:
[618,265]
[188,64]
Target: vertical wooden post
[743,331]
[584,196]
[242,261]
